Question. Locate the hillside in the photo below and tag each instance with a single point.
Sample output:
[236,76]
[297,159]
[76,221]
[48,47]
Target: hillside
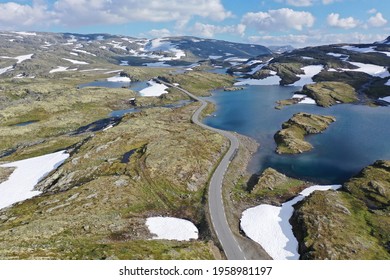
[364,67]
[57,52]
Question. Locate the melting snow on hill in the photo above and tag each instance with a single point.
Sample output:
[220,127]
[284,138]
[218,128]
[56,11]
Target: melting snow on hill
[154,89]
[19,59]
[307,78]
[158,45]
[371,69]
[363,50]
[269,225]
[172,228]
[20,185]
[75,61]
[119,79]
[269,81]
[61,69]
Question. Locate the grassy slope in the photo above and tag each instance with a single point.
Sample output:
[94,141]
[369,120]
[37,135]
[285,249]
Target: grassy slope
[353,223]
[94,206]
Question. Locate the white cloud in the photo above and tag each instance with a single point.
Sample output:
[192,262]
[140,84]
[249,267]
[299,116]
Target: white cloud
[334,20]
[209,30]
[282,19]
[372,11]
[300,3]
[94,12]
[317,38]
[159,33]
[377,21]
[305,3]
[104,11]
[16,15]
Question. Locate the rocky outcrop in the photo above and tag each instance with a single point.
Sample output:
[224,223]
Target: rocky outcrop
[353,223]
[5,172]
[327,94]
[372,185]
[290,139]
[233,88]
[275,188]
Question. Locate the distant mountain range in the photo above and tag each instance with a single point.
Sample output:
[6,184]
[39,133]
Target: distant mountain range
[54,50]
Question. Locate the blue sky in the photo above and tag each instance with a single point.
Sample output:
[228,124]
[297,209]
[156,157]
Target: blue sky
[272,22]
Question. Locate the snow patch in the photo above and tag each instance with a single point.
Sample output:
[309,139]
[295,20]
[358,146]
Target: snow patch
[269,81]
[269,225]
[154,89]
[94,69]
[61,69]
[172,228]
[256,68]
[23,33]
[303,99]
[20,185]
[158,45]
[19,58]
[75,61]
[307,78]
[387,99]
[371,69]
[214,56]
[82,51]
[156,64]
[6,69]
[364,50]
[119,79]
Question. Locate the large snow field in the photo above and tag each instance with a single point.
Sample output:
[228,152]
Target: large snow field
[20,185]
[172,228]
[272,80]
[269,225]
[165,46]
[371,69]
[307,78]
[364,50]
[154,89]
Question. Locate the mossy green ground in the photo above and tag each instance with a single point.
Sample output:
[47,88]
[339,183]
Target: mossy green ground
[353,223]
[290,139]
[329,93]
[94,206]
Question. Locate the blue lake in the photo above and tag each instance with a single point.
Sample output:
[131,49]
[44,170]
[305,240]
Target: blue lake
[359,137]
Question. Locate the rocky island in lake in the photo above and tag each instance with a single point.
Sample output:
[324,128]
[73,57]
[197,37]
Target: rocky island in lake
[290,139]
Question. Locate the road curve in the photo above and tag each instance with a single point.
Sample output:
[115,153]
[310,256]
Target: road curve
[216,207]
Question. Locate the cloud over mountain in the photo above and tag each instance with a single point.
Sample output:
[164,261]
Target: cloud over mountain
[282,19]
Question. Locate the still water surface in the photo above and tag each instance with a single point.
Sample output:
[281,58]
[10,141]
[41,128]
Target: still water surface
[359,137]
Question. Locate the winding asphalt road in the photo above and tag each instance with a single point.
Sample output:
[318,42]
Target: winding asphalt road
[216,207]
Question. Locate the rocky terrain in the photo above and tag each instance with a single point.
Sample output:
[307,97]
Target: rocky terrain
[349,72]
[121,170]
[154,161]
[330,93]
[275,188]
[290,139]
[352,223]
[95,205]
